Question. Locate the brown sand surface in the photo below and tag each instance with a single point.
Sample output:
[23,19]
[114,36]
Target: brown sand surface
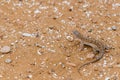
[42,46]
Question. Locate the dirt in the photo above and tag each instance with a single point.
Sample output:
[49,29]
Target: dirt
[39,33]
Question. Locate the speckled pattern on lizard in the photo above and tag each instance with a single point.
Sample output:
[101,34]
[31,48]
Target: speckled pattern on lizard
[98,46]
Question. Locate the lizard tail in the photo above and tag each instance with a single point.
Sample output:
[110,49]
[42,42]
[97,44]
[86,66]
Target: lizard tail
[93,61]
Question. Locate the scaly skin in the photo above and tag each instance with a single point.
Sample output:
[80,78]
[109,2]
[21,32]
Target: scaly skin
[98,46]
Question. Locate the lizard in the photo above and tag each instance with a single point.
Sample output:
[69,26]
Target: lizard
[97,46]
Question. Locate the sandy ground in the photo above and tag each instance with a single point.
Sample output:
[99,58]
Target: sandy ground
[39,33]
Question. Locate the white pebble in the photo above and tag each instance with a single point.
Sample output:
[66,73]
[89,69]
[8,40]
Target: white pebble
[27,34]
[69,38]
[8,61]
[5,49]
[107,78]
[37,11]
[29,76]
[114,28]
[109,28]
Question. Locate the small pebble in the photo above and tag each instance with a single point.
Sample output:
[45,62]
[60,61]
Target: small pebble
[37,11]
[96,69]
[90,30]
[27,35]
[114,28]
[40,51]
[69,38]
[51,27]
[29,76]
[90,56]
[107,78]
[109,28]
[8,61]
[5,49]
[71,64]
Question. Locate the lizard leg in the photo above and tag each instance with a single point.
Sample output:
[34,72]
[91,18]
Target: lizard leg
[96,50]
[81,46]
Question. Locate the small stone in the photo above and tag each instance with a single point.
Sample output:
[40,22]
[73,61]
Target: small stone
[109,28]
[90,30]
[27,35]
[69,38]
[40,51]
[8,61]
[107,78]
[71,64]
[114,28]
[96,69]
[29,76]
[37,11]
[51,27]
[90,56]
[1,56]
[5,49]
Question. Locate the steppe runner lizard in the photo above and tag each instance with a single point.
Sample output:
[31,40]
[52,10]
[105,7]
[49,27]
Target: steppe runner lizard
[98,46]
